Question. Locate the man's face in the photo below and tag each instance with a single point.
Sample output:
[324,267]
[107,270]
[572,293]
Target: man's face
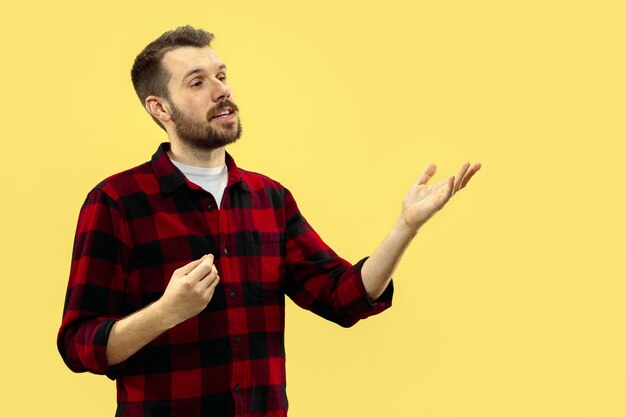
[202,109]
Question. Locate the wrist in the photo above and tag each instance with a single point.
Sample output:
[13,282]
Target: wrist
[404,229]
[161,316]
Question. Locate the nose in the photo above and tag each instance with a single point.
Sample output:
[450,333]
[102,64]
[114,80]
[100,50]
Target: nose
[221,91]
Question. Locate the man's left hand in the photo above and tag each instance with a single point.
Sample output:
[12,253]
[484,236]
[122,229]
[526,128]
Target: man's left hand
[423,200]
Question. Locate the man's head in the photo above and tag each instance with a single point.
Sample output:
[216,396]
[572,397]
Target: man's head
[182,84]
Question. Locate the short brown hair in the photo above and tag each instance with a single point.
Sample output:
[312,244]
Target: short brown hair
[148,75]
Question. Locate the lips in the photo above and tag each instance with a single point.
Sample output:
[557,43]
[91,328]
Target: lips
[223,110]
[223,113]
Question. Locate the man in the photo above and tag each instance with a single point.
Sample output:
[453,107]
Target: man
[180,265]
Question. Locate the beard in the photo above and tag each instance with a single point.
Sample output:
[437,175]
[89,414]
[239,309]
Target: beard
[200,134]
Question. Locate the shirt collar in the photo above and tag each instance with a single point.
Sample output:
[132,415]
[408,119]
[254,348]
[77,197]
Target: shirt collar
[170,178]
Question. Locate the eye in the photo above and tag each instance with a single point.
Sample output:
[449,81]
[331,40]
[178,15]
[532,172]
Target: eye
[222,77]
[197,83]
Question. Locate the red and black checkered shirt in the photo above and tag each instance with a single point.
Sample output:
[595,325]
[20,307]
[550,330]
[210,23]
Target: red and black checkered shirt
[137,227]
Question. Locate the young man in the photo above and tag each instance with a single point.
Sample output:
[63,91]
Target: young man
[180,265]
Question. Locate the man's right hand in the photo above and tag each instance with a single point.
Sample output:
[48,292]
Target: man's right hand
[187,294]
[189,291]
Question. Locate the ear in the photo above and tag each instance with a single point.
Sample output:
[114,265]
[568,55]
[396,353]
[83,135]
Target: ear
[158,108]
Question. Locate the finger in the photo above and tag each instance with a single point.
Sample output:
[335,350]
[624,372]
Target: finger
[215,282]
[460,175]
[427,174]
[470,174]
[209,280]
[211,288]
[203,268]
[210,276]
[185,269]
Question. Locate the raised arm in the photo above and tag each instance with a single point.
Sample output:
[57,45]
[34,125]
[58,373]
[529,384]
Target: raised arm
[419,205]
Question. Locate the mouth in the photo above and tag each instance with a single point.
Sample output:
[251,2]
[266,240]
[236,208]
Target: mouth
[225,114]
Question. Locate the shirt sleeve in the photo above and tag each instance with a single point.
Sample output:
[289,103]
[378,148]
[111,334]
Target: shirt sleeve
[95,294]
[321,281]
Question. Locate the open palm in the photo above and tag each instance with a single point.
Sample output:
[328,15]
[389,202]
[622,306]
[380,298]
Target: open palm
[423,200]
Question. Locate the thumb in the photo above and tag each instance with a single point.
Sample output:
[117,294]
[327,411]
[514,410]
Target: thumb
[427,174]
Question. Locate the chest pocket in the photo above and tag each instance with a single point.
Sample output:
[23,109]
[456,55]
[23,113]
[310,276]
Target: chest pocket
[265,262]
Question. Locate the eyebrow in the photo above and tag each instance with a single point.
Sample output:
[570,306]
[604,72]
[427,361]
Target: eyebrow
[199,70]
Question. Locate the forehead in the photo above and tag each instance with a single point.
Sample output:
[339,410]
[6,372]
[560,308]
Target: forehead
[180,60]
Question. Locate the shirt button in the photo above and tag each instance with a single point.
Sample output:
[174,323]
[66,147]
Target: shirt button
[225,251]
[237,388]
[210,207]
[232,294]
[236,339]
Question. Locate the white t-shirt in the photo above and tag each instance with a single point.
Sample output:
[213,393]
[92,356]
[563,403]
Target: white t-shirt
[212,180]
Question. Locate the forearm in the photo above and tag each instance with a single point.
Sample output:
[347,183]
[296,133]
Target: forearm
[187,294]
[379,267]
[133,332]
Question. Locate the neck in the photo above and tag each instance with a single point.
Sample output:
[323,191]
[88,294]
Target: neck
[201,158]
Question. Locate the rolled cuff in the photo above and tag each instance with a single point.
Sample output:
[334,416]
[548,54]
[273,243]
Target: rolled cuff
[361,306]
[85,349]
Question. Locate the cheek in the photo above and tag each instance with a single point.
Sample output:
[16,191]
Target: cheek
[199,106]
[195,99]
[196,109]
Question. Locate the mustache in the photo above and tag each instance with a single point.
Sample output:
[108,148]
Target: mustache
[221,106]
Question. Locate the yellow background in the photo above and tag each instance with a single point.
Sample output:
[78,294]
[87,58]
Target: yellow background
[511,302]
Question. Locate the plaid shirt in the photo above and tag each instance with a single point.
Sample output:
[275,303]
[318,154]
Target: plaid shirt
[137,227]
